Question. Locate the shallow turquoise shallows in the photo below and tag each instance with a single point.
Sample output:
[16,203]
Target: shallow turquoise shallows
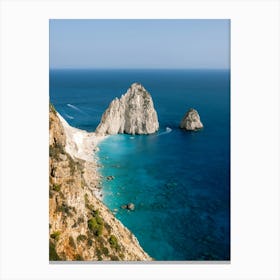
[179,181]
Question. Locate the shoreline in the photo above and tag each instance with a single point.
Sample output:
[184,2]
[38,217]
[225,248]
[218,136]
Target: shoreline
[83,145]
[75,203]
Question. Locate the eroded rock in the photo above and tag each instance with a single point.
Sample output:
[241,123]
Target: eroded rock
[133,113]
[191,121]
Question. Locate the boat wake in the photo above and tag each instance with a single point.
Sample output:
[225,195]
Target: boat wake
[76,108]
[69,117]
[167,130]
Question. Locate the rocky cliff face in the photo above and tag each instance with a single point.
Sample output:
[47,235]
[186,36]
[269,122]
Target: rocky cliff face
[81,227]
[191,121]
[133,113]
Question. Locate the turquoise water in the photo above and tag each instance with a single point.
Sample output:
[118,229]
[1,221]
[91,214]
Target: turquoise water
[179,181]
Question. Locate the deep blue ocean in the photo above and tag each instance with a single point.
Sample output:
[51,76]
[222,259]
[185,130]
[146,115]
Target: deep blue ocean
[179,181]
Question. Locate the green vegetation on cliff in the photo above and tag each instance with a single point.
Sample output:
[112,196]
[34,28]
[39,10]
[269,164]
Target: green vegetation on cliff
[80,226]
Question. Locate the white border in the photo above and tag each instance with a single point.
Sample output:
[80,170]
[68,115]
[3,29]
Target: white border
[255,137]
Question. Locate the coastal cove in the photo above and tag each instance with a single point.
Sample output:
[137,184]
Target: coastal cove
[179,181]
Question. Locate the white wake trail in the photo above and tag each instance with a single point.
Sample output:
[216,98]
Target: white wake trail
[69,117]
[167,130]
[76,108]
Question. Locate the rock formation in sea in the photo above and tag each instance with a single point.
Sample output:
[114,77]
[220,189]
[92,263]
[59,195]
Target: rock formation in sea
[81,227]
[133,113]
[191,121]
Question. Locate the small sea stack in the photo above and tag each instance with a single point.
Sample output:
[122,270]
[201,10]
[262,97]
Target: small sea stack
[191,121]
[133,113]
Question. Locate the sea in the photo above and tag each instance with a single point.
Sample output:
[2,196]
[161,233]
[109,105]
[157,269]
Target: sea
[179,181]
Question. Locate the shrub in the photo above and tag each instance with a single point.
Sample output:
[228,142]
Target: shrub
[64,208]
[105,251]
[99,255]
[99,220]
[90,207]
[62,195]
[56,187]
[108,227]
[114,258]
[52,151]
[95,225]
[53,256]
[72,242]
[86,200]
[92,224]
[89,242]
[101,240]
[114,242]
[51,108]
[78,257]
[81,237]
[50,194]
[99,230]
[55,235]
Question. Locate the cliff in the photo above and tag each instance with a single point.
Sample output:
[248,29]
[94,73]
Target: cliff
[81,227]
[133,113]
[191,121]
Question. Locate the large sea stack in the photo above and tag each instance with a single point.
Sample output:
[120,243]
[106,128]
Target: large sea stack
[191,121]
[133,113]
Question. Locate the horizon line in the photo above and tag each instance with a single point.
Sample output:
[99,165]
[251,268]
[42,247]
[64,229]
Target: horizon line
[95,68]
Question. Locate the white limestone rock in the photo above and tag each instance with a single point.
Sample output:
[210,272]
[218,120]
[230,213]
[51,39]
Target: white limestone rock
[133,113]
[191,121]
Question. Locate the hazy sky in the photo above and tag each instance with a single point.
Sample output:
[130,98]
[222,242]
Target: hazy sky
[139,43]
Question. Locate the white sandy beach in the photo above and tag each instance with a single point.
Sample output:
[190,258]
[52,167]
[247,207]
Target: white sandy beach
[81,144]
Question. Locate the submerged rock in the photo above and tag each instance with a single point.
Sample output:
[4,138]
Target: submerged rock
[133,113]
[129,206]
[191,121]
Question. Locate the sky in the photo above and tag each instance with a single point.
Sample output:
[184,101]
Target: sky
[140,44]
